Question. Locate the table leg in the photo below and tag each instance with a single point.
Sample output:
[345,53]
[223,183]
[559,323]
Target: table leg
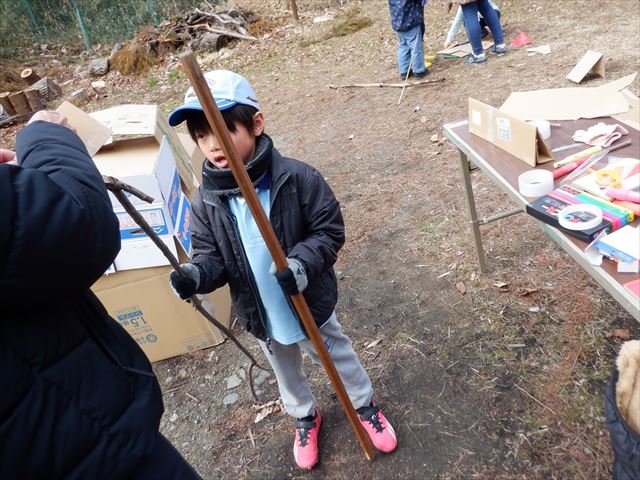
[471,206]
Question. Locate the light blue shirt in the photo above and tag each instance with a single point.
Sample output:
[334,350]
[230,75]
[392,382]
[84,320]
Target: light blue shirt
[282,324]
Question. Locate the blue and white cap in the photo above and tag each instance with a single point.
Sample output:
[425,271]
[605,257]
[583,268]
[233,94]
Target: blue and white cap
[228,90]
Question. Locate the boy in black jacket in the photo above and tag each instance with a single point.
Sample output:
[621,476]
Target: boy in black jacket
[228,248]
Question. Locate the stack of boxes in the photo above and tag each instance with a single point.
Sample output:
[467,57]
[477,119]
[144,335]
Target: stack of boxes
[134,144]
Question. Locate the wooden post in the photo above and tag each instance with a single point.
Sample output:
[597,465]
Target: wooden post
[29,76]
[6,104]
[294,9]
[217,124]
[19,102]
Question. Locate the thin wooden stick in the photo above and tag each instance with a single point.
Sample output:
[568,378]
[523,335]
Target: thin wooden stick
[217,124]
[382,84]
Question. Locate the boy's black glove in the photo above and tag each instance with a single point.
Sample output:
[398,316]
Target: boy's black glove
[185,285]
[292,279]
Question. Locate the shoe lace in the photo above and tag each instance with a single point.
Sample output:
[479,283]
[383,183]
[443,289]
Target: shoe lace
[370,414]
[303,436]
[303,428]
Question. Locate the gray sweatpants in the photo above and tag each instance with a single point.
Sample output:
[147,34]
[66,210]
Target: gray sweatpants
[295,390]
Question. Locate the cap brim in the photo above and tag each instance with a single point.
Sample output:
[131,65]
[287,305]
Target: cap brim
[180,114]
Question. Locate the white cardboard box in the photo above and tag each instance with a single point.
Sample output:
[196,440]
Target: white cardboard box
[144,253]
[146,121]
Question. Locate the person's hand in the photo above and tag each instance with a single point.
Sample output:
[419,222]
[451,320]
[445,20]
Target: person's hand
[52,117]
[292,279]
[186,284]
[7,156]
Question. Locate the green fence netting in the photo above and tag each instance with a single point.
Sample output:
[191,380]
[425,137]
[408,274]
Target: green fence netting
[82,23]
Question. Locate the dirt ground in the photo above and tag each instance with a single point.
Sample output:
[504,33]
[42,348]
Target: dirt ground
[483,376]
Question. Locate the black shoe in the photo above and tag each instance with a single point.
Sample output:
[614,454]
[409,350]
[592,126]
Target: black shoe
[404,75]
[421,74]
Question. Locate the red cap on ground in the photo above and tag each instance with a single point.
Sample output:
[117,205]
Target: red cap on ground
[520,40]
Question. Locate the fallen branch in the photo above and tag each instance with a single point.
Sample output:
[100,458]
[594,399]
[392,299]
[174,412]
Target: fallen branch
[222,31]
[393,85]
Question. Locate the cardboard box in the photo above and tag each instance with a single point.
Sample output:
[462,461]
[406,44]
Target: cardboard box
[163,325]
[505,131]
[171,225]
[196,157]
[570,103]
[591,63]
[147,121]
[143,253]
[144,164]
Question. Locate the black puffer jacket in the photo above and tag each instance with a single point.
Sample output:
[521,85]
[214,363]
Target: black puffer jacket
[307,221]
[625,442]
[78,398]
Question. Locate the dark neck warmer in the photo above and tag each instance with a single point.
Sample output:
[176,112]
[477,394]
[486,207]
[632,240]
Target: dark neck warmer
[220,182]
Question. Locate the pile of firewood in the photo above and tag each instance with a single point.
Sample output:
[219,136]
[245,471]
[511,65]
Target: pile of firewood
[34,97]
[198,30]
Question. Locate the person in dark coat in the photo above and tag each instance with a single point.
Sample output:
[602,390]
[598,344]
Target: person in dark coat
[79,399]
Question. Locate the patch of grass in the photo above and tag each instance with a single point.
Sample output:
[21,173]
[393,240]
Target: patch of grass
[174,75]
[351,23]
[152,82]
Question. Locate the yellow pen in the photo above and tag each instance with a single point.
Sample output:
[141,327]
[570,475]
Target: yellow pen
[576,156]
[588,152]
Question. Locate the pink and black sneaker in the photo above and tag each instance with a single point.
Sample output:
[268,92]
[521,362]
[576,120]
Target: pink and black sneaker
[305,446]
[382,434]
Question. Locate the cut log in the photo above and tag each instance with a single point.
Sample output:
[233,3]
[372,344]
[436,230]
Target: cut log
[6,104]
[209,42]
[19,102]
[49,90]
[34,99]
[29,76]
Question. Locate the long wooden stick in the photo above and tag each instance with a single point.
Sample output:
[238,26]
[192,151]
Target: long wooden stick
[199,84]
[415,83]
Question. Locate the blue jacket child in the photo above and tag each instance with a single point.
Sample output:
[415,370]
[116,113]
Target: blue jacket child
[407,20]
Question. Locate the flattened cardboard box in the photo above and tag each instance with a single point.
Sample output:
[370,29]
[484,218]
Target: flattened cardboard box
[519,138]
[164,326]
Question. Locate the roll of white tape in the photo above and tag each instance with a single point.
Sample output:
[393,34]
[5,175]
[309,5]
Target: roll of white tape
[535,183]
[580,216]
[543,126]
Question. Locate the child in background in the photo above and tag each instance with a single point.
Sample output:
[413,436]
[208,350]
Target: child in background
[458,21]
[470,11]
[407,20]
[228,248]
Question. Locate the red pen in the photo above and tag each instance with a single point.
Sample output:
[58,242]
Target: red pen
[569,167]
